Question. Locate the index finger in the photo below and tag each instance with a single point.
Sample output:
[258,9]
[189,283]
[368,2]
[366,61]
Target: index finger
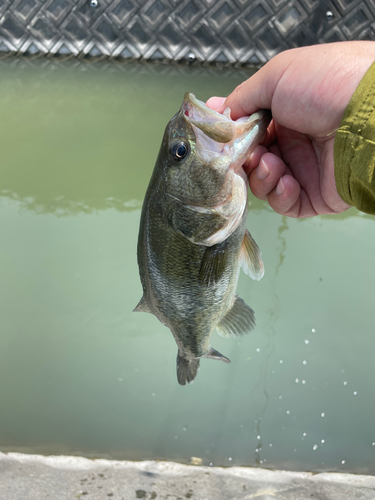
[256,92]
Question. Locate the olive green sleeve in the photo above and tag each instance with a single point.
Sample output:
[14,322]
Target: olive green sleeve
[354,147]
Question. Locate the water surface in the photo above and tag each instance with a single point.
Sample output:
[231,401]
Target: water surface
[81,374]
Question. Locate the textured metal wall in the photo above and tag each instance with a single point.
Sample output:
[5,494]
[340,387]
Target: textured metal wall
[239,32]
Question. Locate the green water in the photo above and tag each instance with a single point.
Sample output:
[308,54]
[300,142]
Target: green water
[81,374]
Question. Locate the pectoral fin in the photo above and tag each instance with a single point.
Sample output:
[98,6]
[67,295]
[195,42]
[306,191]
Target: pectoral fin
[251,258]
[238,321]
[213,264]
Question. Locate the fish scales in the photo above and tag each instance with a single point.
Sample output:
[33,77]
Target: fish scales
[193,236]
[175,287]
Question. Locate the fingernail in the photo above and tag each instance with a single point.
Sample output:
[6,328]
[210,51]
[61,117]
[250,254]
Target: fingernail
[262,171]
[215,102]
[280,188]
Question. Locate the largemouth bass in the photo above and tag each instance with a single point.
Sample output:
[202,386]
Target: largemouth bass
[193,237]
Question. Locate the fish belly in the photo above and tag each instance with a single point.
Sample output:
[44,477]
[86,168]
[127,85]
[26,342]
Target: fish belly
[173,286]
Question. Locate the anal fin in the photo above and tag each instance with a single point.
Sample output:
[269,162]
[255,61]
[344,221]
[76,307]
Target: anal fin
[251,258]
[238,321]
[187,369]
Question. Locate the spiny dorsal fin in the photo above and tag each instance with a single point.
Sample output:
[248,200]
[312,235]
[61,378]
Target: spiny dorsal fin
[238,321]
[251,258]
[142,306]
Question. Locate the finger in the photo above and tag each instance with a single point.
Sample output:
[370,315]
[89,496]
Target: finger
[289,199]
[264,179]
[271,133]
[299,153]
[257,92]
[285,199]
[254,159]
[275,149]
[274,181]
[215,103]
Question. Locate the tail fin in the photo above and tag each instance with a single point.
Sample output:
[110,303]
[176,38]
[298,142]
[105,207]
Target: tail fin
[187,369]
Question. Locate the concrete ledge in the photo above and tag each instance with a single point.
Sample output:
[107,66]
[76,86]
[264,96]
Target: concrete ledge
[36,477]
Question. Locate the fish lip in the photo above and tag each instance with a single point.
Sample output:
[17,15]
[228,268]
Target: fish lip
[216,133]
[192,103]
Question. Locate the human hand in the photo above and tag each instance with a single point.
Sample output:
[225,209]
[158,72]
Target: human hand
[307,90]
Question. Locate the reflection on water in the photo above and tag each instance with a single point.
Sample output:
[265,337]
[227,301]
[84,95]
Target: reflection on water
[82,374]
[283,227]
[79,131]
[270,333]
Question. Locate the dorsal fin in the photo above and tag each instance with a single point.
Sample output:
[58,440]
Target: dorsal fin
[142,306]
[238,321]
[251,258]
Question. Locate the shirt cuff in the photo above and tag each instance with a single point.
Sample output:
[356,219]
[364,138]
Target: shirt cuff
[354,147]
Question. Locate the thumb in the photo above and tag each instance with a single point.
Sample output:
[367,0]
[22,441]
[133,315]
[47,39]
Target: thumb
[256,92]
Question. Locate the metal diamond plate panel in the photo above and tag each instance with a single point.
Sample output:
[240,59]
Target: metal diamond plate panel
[227,32]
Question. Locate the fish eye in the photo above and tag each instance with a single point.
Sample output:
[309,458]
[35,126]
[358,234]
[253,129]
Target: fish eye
[179,150]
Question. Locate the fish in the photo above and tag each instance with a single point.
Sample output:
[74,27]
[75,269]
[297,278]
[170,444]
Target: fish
[193,237]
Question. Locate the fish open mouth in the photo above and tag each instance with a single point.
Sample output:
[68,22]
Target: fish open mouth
[218,136]
[219,127]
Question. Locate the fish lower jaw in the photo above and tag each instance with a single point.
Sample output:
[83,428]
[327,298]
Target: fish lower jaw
[226,150]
